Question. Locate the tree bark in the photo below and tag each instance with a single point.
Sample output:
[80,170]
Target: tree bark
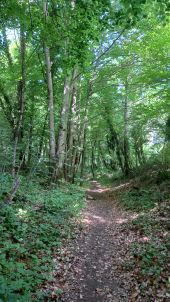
[73,135]
[52,144]
[84,129]
[31,123]
[93,159]
[7,108]
[125,139]
[42,137]
[21,100]
[62,136]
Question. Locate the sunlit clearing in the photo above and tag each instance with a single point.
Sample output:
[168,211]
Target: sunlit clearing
[76,205]
[122,186]
[93,219]
[99,190]
[134,216]
[145,239]
[125,220]
[22,213]
[121,220]
[87,221]
[100,219]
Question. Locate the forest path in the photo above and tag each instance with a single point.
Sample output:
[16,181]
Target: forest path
[99,252]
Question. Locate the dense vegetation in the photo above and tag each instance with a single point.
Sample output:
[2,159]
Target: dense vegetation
[84,93]
[32,231]
[148,200]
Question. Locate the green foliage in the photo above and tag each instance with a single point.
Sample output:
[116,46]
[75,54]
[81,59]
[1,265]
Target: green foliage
[151,252]
[151,225]
[152,257]
[32,229]
[167,130]
[80,36]
[140,199]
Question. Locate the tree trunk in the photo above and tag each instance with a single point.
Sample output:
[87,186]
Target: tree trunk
[21,101]
[62,136]
[31,122]
[83,154]
[93,159]
[125,139]
[84,129]
[115,142]
[73,129]
[138,147]
[52,143]
[42,137]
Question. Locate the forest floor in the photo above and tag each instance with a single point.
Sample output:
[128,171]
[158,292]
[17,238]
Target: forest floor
[99,252]
[100,265]
[113,247]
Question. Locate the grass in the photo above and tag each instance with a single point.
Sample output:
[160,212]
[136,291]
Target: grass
[32,229]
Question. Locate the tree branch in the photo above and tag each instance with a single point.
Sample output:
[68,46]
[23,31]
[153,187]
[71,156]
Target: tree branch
[110,46]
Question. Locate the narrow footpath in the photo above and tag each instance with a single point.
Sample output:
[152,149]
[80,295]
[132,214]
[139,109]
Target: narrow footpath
[97,273]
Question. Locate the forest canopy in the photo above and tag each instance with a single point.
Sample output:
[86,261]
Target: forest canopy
[84,86]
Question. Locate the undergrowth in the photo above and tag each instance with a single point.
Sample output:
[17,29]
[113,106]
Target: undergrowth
[141,199]
[32,228]
[151,251]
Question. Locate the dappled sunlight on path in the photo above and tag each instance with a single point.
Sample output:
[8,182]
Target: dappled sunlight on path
[93,219]
[100,251]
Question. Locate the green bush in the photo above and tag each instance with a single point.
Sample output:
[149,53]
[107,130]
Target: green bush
[31,229]
[141,199]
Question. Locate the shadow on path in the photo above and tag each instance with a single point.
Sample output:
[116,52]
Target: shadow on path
[96,275]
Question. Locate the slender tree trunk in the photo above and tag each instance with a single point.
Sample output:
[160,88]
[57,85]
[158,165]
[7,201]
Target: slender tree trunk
[42,137]
[103,160]
[93,160]
[62,137]
[115,142]
[137,159]
[21,100]
[84,129]
[125,142]
[74,128]
[52,143]
[31,132]
[142,153]
[138,147]
[83,154]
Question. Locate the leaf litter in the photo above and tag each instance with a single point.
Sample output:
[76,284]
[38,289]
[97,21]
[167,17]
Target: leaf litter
[99,264]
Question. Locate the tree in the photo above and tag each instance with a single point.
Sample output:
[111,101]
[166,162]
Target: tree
[48,63]
[107,97]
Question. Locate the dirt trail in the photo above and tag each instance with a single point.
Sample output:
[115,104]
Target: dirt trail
[99,253]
